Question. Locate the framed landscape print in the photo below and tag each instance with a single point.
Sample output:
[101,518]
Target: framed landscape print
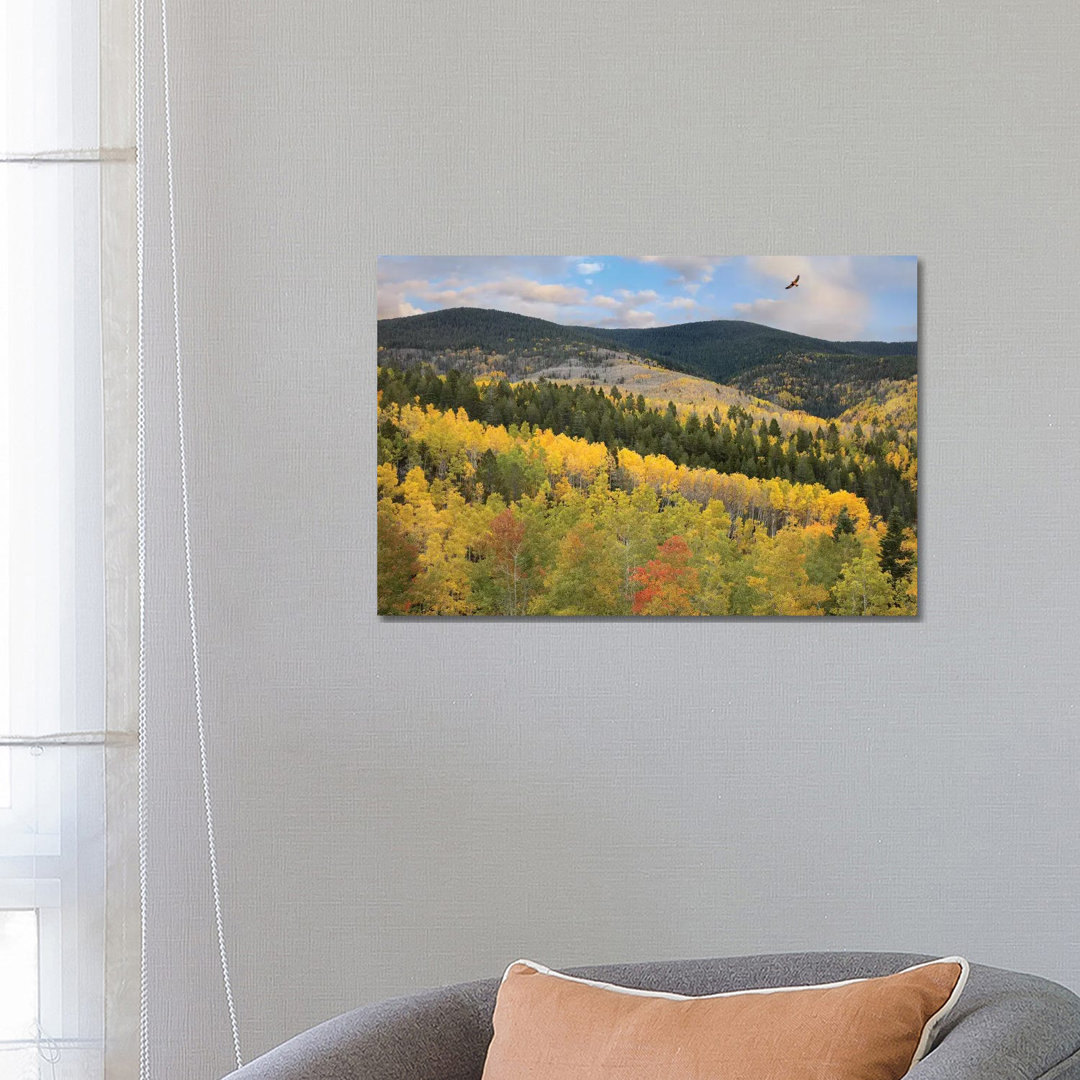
[647,435]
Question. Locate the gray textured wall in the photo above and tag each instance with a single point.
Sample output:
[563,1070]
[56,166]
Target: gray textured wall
[410,803]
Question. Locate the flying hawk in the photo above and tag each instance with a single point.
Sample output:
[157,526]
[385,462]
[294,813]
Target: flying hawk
[793,284]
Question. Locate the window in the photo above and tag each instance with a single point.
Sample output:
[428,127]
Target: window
[52,683]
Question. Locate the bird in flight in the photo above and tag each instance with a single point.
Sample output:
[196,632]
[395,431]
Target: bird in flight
[794,284]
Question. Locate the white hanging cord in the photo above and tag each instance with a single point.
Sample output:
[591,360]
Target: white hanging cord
[140,453]
[211,848]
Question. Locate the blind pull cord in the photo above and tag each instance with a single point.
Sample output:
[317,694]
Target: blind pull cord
[140,26]
[140,456]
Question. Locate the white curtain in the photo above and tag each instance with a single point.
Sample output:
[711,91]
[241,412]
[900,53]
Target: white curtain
[55,200]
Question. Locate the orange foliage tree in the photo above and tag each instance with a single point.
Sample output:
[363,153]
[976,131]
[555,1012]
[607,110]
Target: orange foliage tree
[668,582]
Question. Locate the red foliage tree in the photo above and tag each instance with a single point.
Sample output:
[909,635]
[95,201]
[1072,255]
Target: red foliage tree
[666,583]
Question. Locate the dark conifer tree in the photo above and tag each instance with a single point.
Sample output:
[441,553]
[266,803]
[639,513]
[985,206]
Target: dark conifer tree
[892,558]
[844,524]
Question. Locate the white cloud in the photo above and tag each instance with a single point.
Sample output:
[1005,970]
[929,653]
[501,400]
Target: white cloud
[762,306]
[484,294]
[833,300]
[410,285]
[827,302]
[689,270]
[399,310]
[625,311]
[391,299]
[645,296]
[632,317]
[559,303]
[534,290]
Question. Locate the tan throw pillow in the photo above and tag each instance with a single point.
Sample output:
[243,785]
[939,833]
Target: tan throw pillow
[550,1026]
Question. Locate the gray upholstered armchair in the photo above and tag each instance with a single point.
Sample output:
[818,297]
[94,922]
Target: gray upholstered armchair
[1005,1026]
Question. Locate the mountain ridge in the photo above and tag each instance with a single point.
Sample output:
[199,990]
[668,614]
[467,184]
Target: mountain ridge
[714,348]
[793,371]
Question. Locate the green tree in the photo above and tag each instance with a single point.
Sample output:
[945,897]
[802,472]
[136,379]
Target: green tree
[781,579]
[587,578]
[863,588]
[844,524]
[826,558]
[893,559]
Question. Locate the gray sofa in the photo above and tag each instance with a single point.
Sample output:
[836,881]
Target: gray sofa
[1005,1026]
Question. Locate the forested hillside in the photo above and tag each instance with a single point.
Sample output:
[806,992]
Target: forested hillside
[716,348]
[827,384]
[541,499]
[723,348]
[486,329]
[878,465]
[794,371]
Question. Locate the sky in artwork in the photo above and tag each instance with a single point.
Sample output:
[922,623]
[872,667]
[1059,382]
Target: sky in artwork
[839,297]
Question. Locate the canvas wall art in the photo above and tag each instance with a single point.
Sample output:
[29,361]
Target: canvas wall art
[647,436]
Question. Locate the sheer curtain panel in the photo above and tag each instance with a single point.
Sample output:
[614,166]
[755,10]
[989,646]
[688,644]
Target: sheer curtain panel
[65,329]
